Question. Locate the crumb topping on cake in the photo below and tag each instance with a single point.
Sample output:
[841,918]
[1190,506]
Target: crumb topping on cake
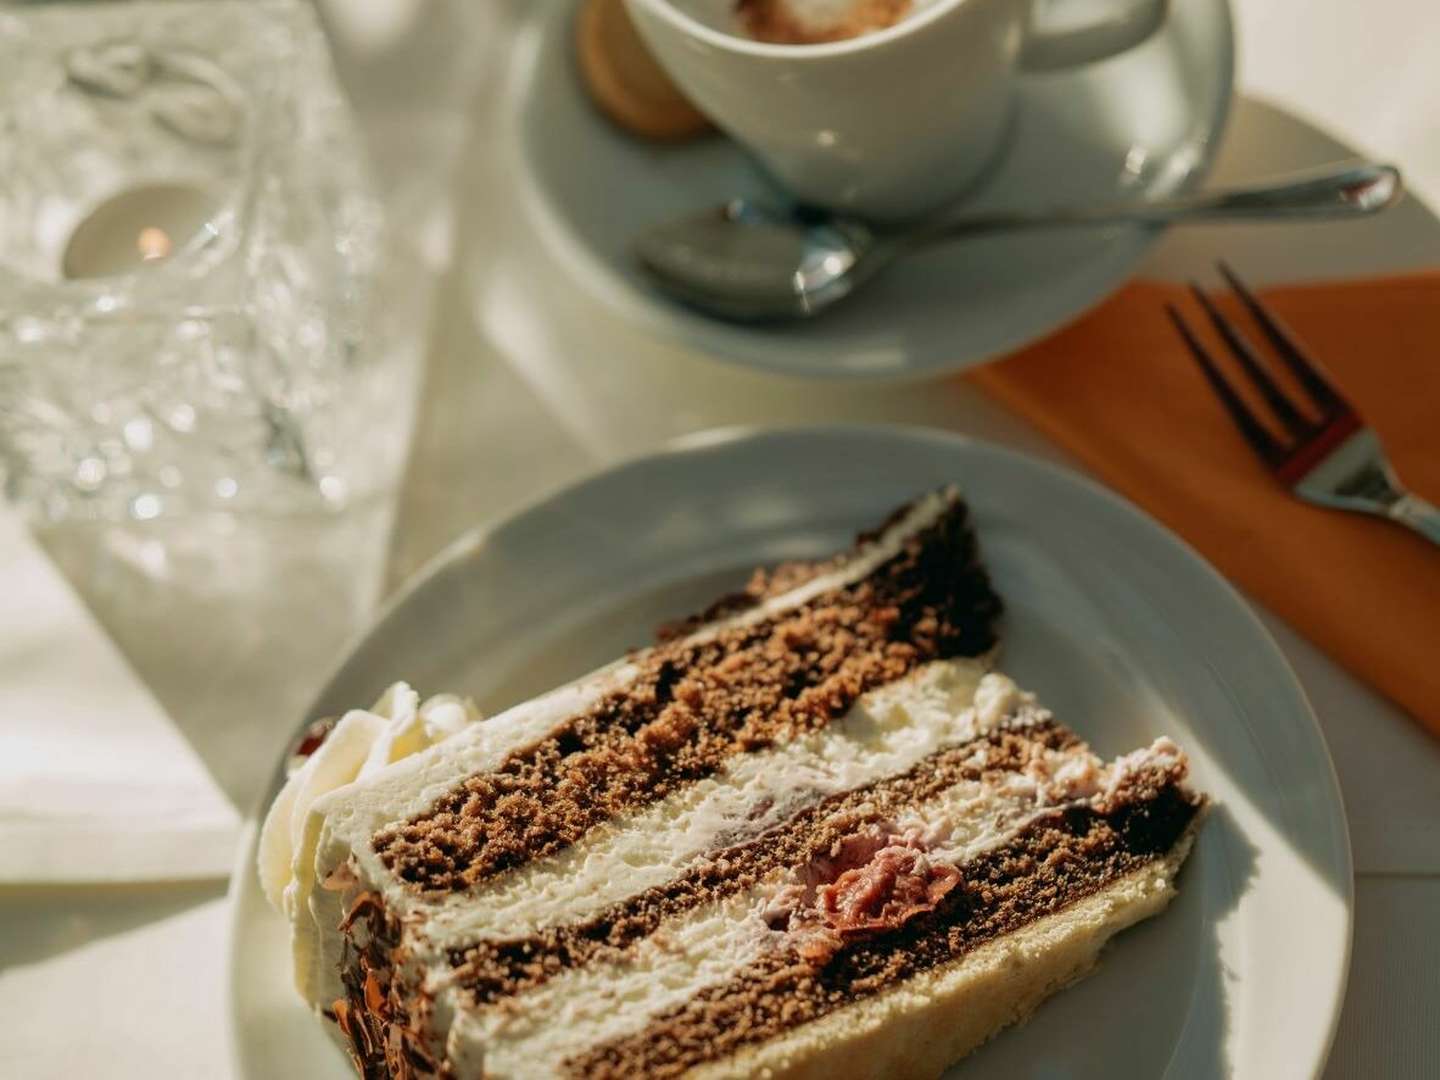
[697,703]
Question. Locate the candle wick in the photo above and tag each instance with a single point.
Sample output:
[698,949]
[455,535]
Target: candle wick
[153,243]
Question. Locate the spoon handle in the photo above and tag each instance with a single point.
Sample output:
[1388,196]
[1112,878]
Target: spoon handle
[1352,191]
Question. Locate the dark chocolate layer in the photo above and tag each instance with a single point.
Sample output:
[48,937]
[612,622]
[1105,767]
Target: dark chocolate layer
[694,705]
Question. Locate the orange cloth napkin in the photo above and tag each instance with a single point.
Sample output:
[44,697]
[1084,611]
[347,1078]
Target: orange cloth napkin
[1119,391]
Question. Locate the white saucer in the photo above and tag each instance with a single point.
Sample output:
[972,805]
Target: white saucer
[1118,626]
[1144,123]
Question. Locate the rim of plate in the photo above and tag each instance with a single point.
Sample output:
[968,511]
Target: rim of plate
[718,441]
[717,341]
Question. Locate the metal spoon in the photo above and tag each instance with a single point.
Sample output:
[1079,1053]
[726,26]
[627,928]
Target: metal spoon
[749,263]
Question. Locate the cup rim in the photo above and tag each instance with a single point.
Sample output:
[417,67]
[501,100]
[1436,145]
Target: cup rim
[688,24]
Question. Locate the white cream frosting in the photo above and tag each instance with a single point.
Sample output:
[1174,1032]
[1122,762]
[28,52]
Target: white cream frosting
[362,743]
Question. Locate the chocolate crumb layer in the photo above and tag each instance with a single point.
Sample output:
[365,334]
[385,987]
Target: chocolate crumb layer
[491,970]
[1053,863]
[695,704]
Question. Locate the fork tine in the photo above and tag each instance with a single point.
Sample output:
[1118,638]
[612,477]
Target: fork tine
[1260,440]
[1252,365]
[1326,398]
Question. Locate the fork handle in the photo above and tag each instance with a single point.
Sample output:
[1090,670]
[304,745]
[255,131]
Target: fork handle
[1415,513]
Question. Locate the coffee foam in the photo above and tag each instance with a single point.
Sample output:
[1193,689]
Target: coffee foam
[811,22]
[799,22]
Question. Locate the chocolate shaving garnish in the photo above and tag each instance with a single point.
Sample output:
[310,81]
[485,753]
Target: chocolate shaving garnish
[365,1043]
[363,906]
[416,1052]
[382,1017]
[340,879]
[374,999]
[395,1059]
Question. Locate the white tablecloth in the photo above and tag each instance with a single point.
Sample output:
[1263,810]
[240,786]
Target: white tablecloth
[129,982]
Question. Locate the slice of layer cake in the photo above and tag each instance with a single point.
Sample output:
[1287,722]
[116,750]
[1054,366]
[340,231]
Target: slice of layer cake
[807,834]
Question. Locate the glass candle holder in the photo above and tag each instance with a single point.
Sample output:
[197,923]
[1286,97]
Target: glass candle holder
[188,243]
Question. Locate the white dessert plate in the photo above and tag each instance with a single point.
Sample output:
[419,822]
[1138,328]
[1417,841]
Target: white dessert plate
[1144,123]
[1118,626]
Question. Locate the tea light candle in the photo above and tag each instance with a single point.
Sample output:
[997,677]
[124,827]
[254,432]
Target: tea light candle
[139,227]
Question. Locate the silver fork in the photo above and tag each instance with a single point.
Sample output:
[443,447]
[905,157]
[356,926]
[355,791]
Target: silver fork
[1331,457]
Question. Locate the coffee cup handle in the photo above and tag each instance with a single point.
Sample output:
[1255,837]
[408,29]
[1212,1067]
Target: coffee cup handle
[1051,50]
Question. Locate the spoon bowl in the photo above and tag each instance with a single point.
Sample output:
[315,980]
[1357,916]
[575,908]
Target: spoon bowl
[752,263]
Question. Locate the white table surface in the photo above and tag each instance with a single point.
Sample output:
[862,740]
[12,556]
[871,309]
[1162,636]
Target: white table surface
[532,384]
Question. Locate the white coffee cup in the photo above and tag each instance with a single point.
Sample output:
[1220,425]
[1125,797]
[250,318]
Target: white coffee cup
[890,124]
